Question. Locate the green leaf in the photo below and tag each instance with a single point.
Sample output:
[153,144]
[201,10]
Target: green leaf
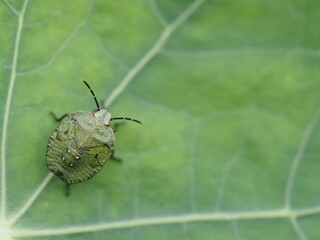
[228,92]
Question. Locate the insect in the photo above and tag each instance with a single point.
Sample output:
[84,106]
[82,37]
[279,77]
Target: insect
[79,147]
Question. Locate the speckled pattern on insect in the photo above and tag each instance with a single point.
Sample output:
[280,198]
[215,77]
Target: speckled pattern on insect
[79,147]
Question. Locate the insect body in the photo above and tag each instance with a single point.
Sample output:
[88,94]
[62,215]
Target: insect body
[79,147]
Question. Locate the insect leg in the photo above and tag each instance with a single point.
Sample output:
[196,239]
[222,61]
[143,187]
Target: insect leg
[68,190]
[60,118]
[115,127]
[112,157]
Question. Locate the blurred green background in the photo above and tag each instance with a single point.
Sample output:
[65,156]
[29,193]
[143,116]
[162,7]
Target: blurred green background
[228,92]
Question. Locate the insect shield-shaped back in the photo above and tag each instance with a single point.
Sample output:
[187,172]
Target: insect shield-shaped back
[79,147]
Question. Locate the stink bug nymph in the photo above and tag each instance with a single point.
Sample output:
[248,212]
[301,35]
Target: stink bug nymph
[79,147]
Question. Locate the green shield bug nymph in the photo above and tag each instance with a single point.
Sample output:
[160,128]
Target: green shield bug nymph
[79,147]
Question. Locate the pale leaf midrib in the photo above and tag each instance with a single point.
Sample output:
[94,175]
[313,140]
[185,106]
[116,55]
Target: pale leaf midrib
[153,51]
[31,200]
[150,54]
[281,213]
[284,213]
[7,109]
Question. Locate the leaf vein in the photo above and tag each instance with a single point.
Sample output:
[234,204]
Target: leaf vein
[297,158]
[12,8]
[191,172]
[297,229]
[7,109]
[57,53]
[181,219]
[224,177]
[153,51]
[30,201]
[157,13]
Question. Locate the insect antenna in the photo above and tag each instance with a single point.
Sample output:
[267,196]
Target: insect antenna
[125,118]
[94,96]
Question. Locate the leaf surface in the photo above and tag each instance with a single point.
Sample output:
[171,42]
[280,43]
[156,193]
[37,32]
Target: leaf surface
[228,93]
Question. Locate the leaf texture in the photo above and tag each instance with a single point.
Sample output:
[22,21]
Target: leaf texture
[228,93]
